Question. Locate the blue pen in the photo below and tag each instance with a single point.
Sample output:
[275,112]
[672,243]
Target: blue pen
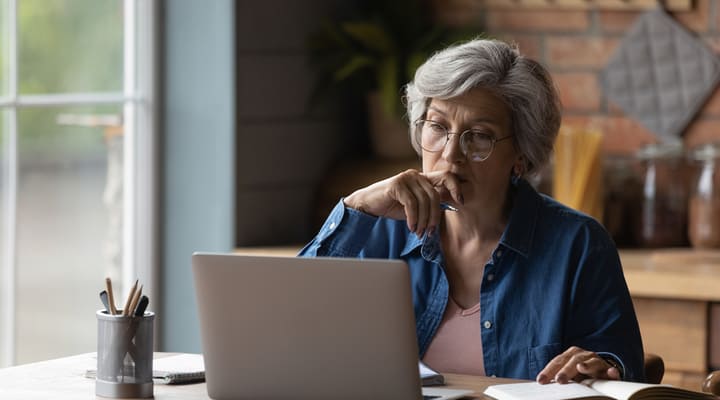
[446,206]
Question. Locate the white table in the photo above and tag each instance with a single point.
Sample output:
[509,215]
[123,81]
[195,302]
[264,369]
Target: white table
[64,379]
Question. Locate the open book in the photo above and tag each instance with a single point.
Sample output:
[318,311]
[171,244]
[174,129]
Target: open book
[591,389]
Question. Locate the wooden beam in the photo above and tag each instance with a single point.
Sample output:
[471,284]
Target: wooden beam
[670,5]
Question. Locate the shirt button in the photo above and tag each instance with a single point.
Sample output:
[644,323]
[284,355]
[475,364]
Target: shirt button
[498,253]
[490,277]
[332,225]
[487,324]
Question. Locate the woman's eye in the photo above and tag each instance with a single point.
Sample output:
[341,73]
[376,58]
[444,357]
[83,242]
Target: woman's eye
[479,136]
[437,128]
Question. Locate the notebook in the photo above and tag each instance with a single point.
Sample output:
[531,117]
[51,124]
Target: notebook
[172,370]
[179,369]
[307,328]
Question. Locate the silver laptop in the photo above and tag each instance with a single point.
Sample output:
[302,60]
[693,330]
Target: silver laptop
[308,328]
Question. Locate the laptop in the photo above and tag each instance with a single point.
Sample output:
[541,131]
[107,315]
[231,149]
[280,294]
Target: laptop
[308,328]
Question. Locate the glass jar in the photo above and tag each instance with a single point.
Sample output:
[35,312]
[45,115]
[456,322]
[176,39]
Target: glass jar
[622,194]
[662,219]
[704,207]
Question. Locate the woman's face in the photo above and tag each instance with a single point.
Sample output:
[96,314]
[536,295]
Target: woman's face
[479,110]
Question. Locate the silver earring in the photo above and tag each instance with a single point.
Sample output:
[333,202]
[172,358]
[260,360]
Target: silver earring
[516,174]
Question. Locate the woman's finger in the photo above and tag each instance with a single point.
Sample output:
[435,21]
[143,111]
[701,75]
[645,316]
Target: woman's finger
[409,195]
[563,367]
[551,369]
[445,182]
[421,206]
[593,367]
[403,194]
[597,367]
[570,370]
[431,210]
[419,199]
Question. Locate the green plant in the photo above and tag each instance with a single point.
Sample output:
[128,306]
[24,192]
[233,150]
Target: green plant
[379,48]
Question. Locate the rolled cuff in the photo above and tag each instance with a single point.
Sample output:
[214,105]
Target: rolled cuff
[615,361]
[343,234]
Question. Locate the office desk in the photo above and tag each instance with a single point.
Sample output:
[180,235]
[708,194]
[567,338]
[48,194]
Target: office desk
[63,379]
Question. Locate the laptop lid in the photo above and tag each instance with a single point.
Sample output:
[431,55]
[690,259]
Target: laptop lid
[302,328]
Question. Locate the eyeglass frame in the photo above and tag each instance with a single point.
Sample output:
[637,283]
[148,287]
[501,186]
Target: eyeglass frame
[460,135]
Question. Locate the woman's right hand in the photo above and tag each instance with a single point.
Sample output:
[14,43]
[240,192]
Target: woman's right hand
[411,195]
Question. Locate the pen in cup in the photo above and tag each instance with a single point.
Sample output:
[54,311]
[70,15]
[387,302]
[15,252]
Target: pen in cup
[105,301]
[111,297]
[128,302]
[141,306]
[135,300]
[132,304]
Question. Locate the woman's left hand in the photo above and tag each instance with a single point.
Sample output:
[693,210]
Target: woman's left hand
[577,364]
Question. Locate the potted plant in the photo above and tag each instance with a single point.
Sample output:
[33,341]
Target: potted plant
[373,54]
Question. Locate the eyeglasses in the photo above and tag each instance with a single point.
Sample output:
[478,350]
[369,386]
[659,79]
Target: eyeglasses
[476,144]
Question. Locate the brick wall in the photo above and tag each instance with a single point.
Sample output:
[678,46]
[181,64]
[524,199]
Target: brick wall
[575,45]
[284,146]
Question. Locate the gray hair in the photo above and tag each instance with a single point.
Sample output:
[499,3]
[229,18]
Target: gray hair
[523,84]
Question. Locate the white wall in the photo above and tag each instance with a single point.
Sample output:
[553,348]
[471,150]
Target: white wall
[198,142]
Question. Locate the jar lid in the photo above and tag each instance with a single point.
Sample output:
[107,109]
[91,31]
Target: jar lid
[671,149]
[706,151]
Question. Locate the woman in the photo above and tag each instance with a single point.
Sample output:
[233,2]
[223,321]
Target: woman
[506,282]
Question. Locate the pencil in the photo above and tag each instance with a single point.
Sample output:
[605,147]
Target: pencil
[135,300]
[111,298]
[126,310]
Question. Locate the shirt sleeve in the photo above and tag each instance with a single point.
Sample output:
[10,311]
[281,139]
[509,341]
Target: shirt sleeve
[343,234]
[602,318]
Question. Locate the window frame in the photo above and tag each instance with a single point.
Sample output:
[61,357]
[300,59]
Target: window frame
[140,108]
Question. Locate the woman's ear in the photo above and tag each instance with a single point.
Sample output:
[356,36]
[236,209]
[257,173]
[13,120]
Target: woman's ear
[519,167]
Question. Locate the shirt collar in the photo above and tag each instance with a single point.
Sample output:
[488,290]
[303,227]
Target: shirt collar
[430,246]
[520,230]
[518,234]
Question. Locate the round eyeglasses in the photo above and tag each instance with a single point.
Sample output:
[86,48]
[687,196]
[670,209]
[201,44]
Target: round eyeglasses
[474,143]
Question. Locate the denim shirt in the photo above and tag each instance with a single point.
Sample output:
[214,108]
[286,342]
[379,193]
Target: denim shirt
[554,281]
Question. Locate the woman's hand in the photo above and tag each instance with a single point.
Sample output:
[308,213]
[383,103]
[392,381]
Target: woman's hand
[577,364]
[409,195]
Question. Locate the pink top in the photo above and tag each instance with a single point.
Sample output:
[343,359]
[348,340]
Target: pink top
[456,347]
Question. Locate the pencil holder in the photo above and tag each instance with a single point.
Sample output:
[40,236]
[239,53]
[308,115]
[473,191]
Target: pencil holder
[124,355]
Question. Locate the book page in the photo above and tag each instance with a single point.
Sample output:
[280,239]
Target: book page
[536,391]
[618,389]
[636,391]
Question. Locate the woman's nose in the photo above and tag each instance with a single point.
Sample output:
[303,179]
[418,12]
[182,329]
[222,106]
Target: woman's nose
[453,151]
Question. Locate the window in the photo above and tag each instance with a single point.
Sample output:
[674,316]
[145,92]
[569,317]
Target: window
[77,144]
